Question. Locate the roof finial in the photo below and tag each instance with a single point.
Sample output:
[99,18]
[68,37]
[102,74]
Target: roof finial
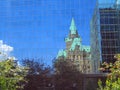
[73,27]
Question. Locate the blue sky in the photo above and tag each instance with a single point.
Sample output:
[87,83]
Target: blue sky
[37,28]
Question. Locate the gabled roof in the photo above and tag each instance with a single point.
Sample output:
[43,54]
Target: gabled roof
[76,41]
[62,53]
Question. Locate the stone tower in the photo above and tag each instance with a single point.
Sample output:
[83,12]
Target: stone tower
[77,53]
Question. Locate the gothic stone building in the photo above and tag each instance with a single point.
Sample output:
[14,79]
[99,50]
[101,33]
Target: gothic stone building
[77,53]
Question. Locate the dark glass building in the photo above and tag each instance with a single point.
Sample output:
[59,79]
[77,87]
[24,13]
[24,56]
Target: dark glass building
[105,32]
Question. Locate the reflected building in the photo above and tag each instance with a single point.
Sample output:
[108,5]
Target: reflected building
[75,52]
[105,32]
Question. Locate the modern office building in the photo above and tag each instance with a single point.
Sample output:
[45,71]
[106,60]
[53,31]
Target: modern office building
[77,54]
[105,32]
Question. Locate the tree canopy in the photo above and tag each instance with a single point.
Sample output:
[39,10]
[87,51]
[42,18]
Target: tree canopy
[12,76]
[113,78]
[38,76]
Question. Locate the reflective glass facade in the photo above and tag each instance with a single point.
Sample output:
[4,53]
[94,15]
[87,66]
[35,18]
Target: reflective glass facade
[105,32]
[110,33]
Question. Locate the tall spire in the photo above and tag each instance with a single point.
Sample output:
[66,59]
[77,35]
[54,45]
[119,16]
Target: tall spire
[73,27]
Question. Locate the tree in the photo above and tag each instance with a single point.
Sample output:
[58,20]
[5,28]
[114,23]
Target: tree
[113,78]
[38,75]
[66,77]
[11,75]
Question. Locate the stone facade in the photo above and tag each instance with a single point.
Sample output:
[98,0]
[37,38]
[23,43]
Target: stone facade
[77,53]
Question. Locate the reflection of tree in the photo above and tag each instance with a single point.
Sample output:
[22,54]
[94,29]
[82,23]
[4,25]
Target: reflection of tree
[38,75]
[67,77]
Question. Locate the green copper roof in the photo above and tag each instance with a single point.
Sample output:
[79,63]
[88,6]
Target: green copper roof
[73,27]
[86,48]
[76,41]
[68,39]
[62,53]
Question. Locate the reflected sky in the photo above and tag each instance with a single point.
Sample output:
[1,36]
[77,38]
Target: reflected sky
[37,28]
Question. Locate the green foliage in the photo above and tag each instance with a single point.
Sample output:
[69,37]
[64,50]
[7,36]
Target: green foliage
[113,78]
[11,75]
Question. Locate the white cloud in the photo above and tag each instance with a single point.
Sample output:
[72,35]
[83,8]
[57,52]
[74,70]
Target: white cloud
[5,50]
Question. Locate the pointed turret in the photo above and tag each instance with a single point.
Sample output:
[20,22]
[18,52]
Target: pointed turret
[73,29]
